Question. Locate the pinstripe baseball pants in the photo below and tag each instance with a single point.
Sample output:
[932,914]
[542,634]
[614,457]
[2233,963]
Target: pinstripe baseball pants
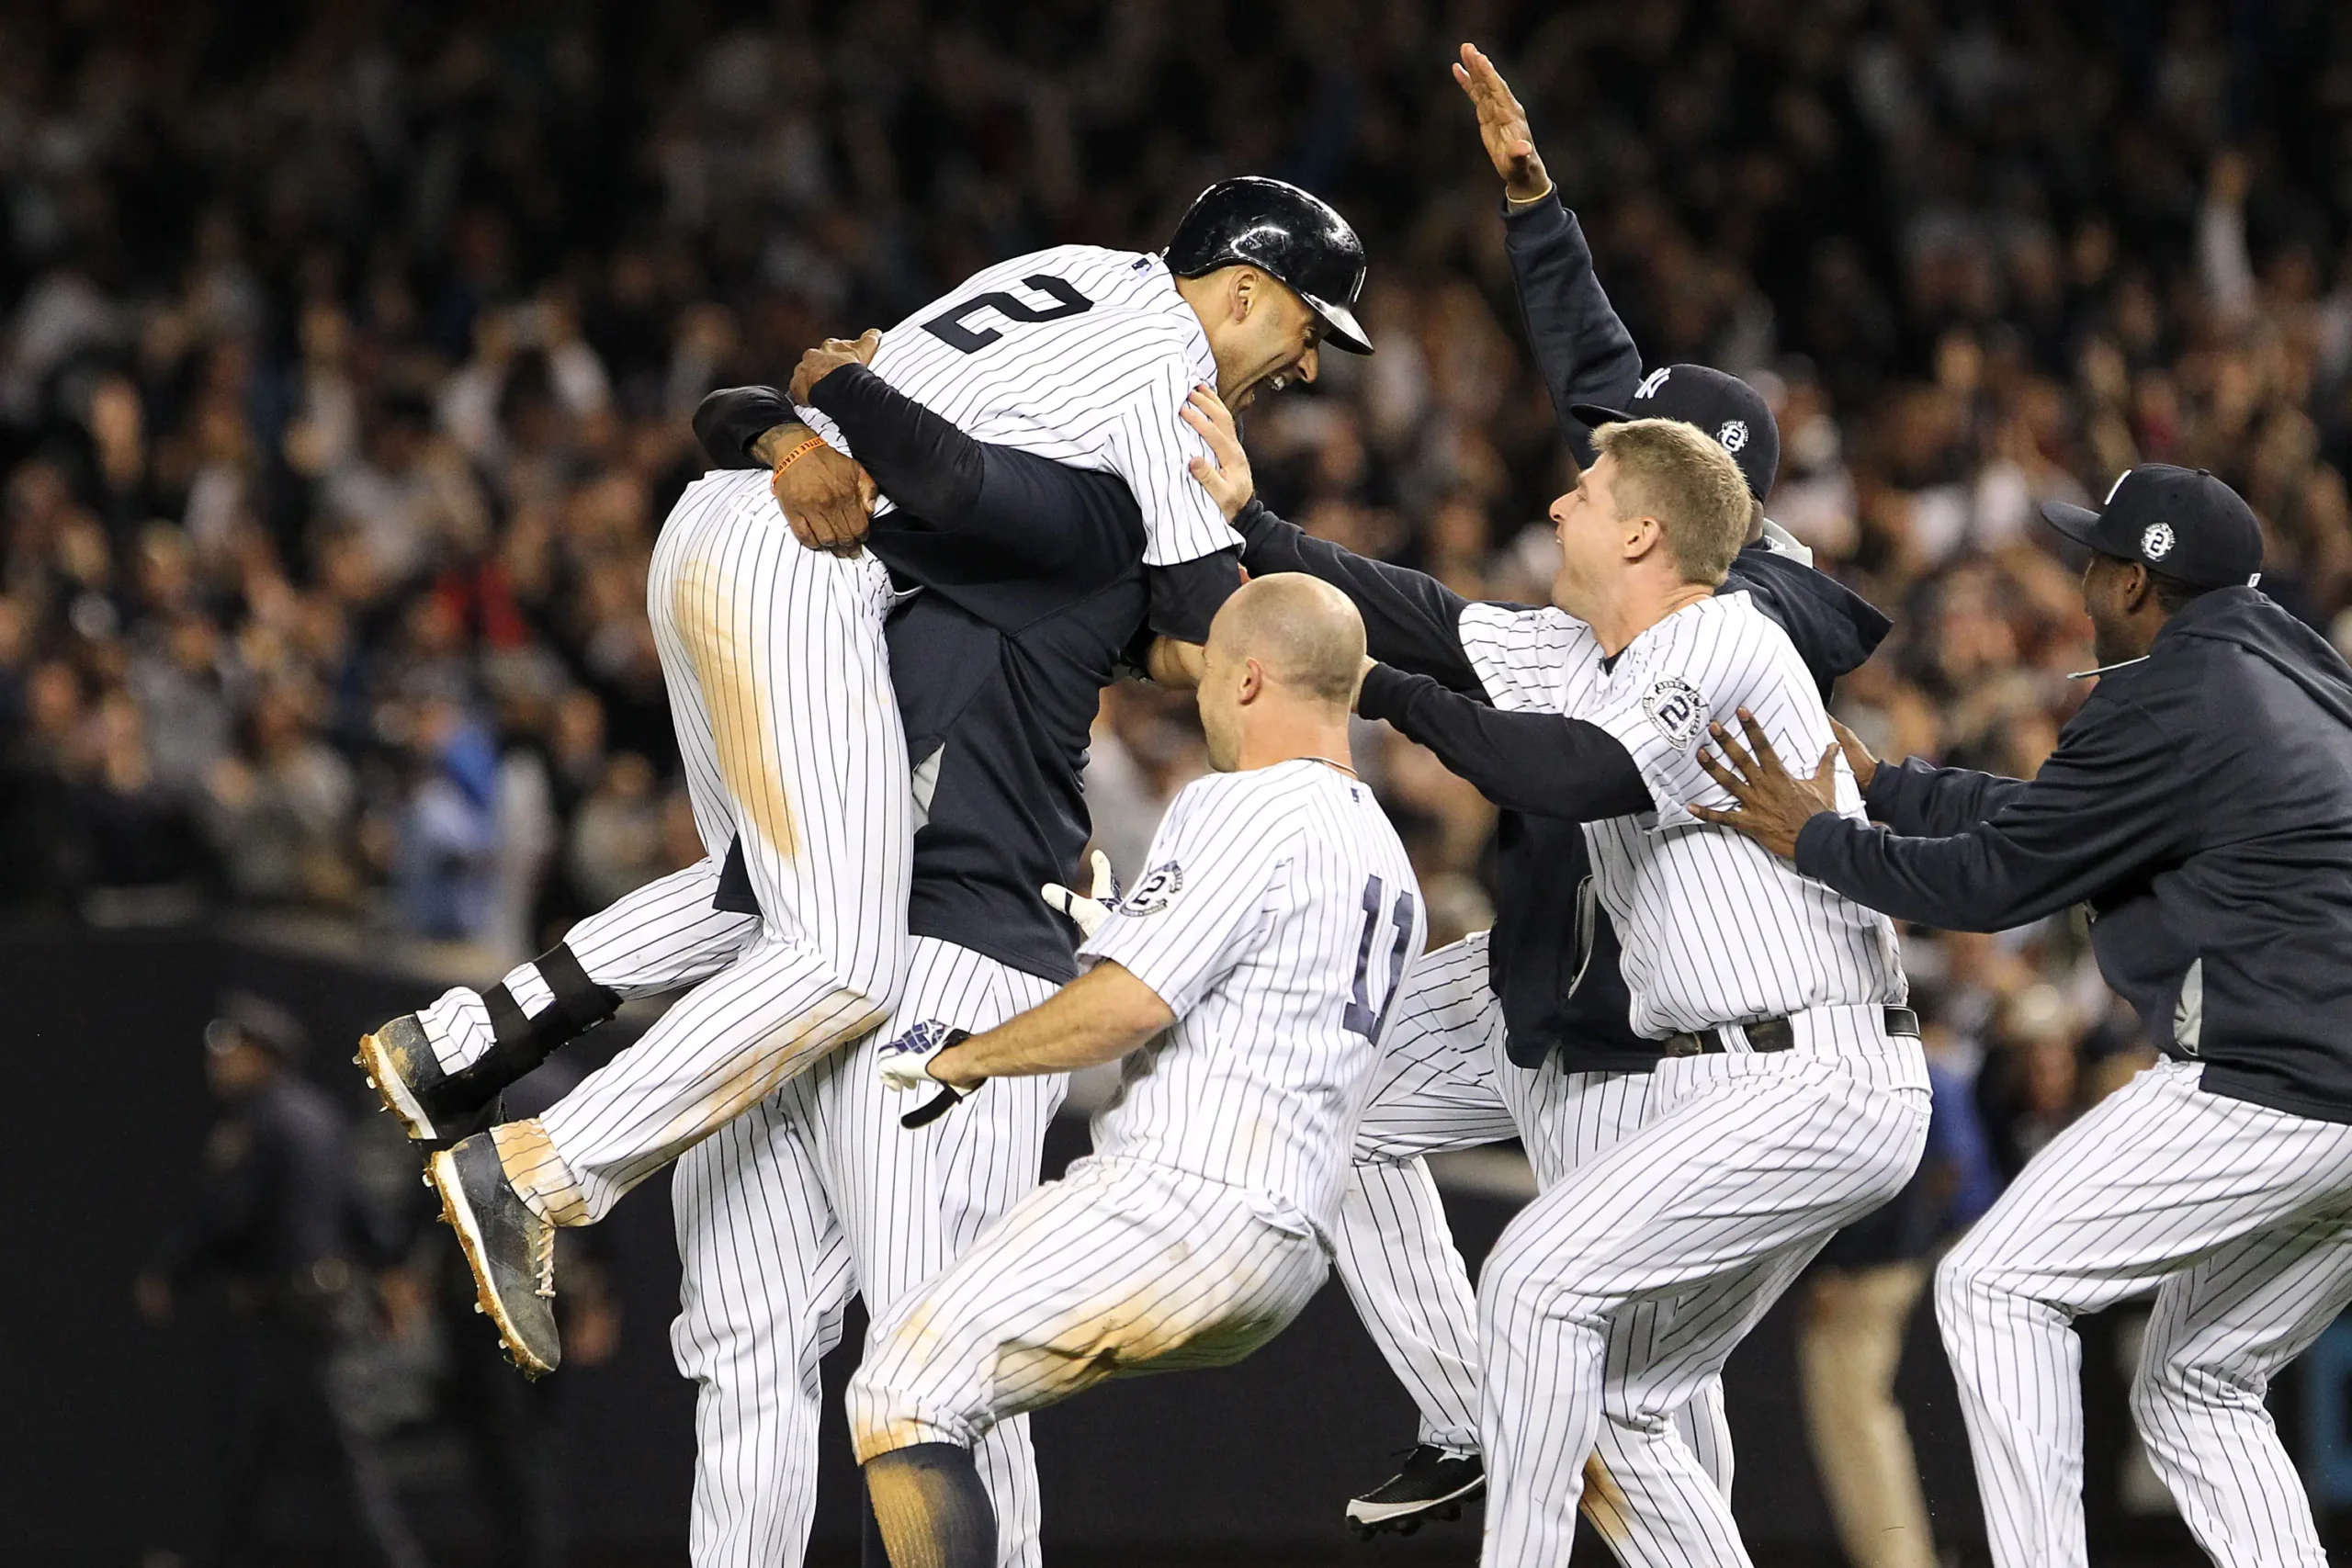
[1446,1083]
[780,693]
[1745,1166]
[813,1195]
[1121,1267]
[2241,1216]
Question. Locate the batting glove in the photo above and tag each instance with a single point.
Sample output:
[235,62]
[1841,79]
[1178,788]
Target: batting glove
[1090,909]
[905,1064]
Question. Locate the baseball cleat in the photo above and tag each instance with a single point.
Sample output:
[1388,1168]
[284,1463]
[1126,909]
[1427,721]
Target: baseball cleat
[1432,1486]
[509,1248]
[431,1106]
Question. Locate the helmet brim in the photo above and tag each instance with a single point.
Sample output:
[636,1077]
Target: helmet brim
[1341,328]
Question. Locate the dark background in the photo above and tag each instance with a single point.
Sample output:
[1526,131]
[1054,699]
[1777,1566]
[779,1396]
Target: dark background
[1250,1464]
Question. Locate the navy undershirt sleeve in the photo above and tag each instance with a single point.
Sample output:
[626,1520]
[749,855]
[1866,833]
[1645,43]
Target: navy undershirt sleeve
[1545,764]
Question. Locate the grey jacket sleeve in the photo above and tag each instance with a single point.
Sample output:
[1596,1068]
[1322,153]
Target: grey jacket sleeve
[2103,808]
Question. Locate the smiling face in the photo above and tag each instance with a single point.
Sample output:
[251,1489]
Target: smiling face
[1594,541]
[1263,334]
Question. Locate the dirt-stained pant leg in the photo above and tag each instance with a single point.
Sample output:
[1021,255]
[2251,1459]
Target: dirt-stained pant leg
[780,691]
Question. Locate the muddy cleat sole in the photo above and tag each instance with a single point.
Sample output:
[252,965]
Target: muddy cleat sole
[1433,1484]
[403,1072]
[509,1248]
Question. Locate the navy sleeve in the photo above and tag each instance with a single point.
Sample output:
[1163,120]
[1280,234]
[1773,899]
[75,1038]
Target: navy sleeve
[1410,619]
[918,459]
[731,418]
[1186,596]
[1582,350]
[2102,810]
[1546,764]
[1924,802]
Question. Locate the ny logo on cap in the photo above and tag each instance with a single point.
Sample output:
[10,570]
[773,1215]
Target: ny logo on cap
[1652,382]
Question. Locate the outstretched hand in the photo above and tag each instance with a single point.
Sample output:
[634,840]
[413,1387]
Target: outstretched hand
[1502,126]
[1225,473]
[1774,804]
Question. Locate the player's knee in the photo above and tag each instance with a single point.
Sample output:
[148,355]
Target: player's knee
[1961,1281]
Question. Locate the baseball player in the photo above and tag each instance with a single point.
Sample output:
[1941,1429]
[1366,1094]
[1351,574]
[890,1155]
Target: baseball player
[1794,1095]
[1246,981]
[997,675]
[2200,803]
[1523,1030]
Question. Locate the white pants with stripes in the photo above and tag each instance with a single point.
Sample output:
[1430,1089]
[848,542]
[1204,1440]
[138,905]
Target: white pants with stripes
[779,688]
[1744,1167]
[1123,1267]
[817,1193]
[1447,1083]
[2241,1216]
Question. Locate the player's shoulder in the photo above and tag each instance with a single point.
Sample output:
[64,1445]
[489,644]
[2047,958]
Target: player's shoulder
[1724,633]
[1523,628]
[1268,807]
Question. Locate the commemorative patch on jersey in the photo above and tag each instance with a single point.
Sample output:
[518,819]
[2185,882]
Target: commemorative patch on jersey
[1150,896]
[1676,707]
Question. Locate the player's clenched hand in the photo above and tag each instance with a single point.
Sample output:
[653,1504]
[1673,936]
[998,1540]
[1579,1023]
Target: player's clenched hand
[1502,126]
[827,498]
[1090,909]
[828,356]
[1774,806]
[1225,473]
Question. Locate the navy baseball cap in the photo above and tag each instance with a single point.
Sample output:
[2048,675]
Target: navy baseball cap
[1725,406]
[2178,522]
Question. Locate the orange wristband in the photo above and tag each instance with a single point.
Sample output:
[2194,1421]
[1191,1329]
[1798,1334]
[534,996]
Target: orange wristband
[798,452]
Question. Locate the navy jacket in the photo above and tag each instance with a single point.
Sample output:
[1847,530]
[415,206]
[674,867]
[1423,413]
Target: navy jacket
[2200,803]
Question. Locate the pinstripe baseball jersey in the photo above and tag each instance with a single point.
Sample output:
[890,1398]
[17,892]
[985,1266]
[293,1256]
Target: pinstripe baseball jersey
[1715,930]
[1077,354]
[1277,919]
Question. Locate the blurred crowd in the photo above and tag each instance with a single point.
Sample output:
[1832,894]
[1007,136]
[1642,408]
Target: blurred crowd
[346,355]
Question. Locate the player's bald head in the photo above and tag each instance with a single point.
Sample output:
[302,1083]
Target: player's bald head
[1304,633]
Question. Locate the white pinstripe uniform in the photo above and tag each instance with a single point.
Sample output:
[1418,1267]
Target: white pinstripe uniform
[1277,920]
[2240,1217]
[1446,1082]
[870,1207]
[1747,1160]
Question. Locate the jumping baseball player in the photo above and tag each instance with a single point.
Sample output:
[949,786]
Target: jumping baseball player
[998,675]
[1247,982]
[2200,803]
[1794,1095]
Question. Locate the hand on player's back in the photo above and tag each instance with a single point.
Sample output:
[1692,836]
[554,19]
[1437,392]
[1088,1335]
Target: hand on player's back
[828,356]
[1502,126]
[1225,473]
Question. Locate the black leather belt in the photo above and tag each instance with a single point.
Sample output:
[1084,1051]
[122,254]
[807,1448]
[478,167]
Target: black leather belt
[1772,1034]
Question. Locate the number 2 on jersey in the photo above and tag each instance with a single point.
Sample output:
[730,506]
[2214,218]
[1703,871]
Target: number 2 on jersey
[948,326]
[1362,1017]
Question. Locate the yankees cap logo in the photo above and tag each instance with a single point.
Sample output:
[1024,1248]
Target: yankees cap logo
[1651,382]
[1734,435]
[2156,541]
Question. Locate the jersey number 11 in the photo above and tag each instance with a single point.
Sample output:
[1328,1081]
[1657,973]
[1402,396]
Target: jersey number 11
[1362,1017]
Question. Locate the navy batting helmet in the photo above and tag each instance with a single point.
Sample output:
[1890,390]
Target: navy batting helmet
[1279,229]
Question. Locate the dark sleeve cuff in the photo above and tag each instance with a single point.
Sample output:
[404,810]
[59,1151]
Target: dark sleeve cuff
[1819,843]
[731,418]
[1186,596]
[1385,688]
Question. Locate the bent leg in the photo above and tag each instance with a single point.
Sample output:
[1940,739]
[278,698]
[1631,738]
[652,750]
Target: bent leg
[2158,1173]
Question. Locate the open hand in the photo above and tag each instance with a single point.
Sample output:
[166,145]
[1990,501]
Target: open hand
[1502,126]
[1774,806]
[1225,473]
[828,356]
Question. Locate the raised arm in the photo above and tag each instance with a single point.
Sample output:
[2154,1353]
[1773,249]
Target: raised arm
[1542,763]
[1582,350]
